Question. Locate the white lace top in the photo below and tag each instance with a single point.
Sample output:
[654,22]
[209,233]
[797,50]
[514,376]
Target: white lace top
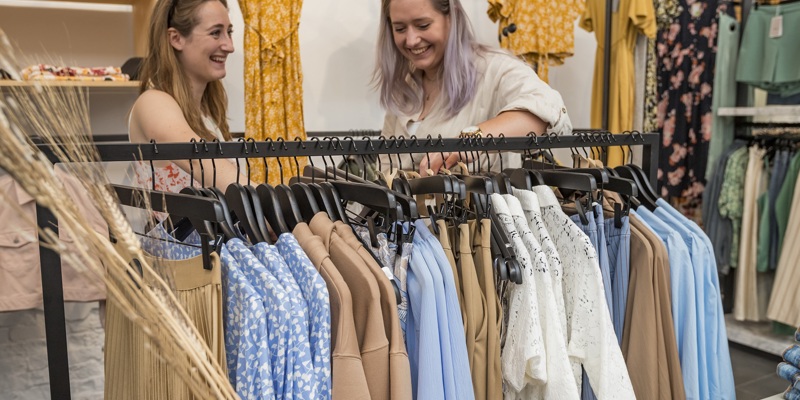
[530,207]
[523,358]
[560,384]
[590,332]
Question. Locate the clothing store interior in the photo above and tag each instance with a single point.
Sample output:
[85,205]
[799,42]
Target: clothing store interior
[402,199]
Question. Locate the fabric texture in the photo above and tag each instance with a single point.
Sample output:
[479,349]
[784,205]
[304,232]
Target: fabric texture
[724,95]
[597,351]
[273,78]
[348,380]
[731,198]
[719,229]
[783,303]
[474,312]
[631,18]
[540,32]
[315,293]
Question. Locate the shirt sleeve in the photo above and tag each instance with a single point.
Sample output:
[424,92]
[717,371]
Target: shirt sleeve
[519,88]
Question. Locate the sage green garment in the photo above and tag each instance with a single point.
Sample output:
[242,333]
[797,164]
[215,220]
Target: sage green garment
[783,204]
[731,197]
[724,94]
[762,248]
[771,63]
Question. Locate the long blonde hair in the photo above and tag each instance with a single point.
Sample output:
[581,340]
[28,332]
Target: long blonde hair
[161,69]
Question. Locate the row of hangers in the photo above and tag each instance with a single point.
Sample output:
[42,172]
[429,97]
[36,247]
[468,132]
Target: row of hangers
[264,211]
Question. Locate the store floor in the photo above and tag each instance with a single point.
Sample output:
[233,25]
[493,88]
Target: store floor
[754,373]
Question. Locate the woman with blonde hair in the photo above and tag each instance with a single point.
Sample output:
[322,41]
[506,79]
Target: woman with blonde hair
[181,95]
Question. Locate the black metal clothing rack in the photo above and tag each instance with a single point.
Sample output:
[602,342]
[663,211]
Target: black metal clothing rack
[52,290]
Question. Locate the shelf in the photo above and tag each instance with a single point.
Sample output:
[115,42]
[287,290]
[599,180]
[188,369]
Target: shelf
[767,111]
[757,335]
[87,84]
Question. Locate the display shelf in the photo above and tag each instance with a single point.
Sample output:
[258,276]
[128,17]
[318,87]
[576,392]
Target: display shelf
[87,84]
[757,335]
[766,111]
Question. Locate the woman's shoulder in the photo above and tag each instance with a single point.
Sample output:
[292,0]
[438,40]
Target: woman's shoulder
[500,60]
[154,98]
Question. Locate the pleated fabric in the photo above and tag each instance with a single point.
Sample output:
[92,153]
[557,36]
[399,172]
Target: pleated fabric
[133,367]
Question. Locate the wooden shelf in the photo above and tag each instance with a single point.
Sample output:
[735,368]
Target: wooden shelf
[86,84]
[766,111]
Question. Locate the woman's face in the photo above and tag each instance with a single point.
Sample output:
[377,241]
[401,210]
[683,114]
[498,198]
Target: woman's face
[204,51]
[420,33]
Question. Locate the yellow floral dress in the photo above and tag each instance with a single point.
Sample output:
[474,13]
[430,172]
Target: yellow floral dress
[273,80]
[632,17]
[542,32]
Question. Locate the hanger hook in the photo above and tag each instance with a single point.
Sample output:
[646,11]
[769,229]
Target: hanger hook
[152,168]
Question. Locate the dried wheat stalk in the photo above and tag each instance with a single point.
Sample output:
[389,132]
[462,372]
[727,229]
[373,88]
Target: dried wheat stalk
[46,111]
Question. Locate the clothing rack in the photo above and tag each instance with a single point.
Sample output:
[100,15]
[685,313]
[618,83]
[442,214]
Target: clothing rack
[52,289]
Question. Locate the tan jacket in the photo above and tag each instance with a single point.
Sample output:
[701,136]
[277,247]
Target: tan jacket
[367,312]
[399,367]
[348,378]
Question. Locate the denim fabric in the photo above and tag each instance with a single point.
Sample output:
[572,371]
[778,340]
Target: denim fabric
[792,355]
[792,393]
[788,372]
[618,241]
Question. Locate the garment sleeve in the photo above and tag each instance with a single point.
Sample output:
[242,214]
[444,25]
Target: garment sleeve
[587,18]
[643,16]
[519,88]
[389,123]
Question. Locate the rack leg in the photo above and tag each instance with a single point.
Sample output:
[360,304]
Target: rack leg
[54,320]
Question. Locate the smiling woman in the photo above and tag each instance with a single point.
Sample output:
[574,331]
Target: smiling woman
[182,97]
[434,79]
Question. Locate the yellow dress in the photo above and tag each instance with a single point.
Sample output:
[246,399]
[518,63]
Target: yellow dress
[632,17]
[542,32]
[273,81]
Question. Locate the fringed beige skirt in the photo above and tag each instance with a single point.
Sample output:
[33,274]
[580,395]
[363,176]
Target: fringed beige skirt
[133,367]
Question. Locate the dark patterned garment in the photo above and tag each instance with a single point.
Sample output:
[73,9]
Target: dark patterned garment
[686,49]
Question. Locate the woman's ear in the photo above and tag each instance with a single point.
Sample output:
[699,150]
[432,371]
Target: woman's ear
[176,39]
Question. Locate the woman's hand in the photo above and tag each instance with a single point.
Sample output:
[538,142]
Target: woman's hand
[436,163]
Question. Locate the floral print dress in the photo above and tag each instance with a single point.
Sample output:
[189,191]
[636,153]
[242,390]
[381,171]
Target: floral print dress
[686,51]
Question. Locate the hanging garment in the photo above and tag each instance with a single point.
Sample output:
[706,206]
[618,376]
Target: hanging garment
[278,311]
[315,294]
[347,370]
[783,203]
[367,312]
[718,354]
[481,235]
[475,325]
[666,12]
[596,350]
[631,18]
[719,229]
[618,243]
[273,79]
[540,32]
[132,369]
[731,198]
[746,306]
[778,176]
[559,382]
[301,383]
[684,302]
[654,364]
[246,345]
[722,128]
[422,326]
[451,328]
[399,370]
[768,55]
[20,273]
[687,51]
[784,299]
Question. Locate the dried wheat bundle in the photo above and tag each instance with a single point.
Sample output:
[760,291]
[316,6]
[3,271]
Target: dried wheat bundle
[61,115]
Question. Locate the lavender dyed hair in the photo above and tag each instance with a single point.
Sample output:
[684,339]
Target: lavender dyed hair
[459,74]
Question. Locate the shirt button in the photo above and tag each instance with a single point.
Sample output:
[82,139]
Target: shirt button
[16,240]
[564,110]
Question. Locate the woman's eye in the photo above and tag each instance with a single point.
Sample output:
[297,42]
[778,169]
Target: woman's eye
[424,26]
[215,33]
[399,30]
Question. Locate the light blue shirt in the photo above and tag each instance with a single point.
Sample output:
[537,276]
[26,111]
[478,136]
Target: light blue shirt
[422,327]
[684,302]
[618,241]
[456,373]
[300,379]
[716,334]
[277,306]
[245,321]
[315,293]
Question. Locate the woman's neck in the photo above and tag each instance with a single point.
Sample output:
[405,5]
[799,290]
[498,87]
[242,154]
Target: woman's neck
[197,95]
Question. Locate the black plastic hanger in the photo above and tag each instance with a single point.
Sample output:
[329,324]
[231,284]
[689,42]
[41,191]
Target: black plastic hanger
[268,198]
[643,197]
